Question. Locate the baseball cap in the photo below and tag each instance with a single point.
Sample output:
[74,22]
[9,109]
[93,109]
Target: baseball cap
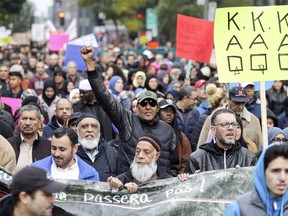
[33,178]
[146,95]
[73,116]
[238,94]
[244,84]
[85,85]
[199,83]
[166,103]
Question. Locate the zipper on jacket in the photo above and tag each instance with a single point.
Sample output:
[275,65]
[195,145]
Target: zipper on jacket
[225,165]
[275,205]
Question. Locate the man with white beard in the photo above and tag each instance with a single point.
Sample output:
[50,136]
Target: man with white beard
[93,149]
[143,168]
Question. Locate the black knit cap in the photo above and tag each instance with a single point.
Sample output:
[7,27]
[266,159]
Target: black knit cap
[152,140]
[83,116]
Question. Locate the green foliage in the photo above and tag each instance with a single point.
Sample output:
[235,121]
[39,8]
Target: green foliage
[123,11]
[168,11]
[22,21]
[10,10]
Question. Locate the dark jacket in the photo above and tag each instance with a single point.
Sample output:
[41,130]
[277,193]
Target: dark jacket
[41,147]
[6,206]
[105,122]
[127,176]
[105,162]
[197,129]
[210,157]
[131,127]
[49,129]
[187,124]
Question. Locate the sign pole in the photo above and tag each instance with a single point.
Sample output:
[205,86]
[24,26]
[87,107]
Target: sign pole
[263,114]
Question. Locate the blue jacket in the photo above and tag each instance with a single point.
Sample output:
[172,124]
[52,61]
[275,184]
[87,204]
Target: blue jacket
[259,201]
[86,172]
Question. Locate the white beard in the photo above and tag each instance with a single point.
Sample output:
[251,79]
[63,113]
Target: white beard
[143,173]
[89,144]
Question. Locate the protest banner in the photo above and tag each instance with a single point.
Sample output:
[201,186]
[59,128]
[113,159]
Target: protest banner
[20,38]
[194,38]
[73,50]
[57,41]
[14,103]
[207,193]
[73,53]
[251,43]
[245,50]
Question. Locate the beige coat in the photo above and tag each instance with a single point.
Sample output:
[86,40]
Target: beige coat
[7,155]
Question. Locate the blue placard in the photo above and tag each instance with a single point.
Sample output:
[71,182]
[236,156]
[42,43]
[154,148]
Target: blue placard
[73,54]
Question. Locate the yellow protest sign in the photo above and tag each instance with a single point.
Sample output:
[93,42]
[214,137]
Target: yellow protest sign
[251,43]
[5,40]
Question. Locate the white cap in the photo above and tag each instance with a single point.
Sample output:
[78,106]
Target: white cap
[116,49]
[85,85]
[206,71]
[148,53]
[244,84]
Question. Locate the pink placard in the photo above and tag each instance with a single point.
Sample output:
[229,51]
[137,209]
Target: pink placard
[194,38]
[14,103]
[57,41]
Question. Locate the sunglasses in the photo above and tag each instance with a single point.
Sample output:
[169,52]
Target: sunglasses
[151,102]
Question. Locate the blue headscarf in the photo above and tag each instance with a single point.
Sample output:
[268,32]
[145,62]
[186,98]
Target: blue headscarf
[112,83]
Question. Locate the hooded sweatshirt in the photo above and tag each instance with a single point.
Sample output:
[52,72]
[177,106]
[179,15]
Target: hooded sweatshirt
[259,199]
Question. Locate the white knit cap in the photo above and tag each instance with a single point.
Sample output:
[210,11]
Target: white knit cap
[85,85]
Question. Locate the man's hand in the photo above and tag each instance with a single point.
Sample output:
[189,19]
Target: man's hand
[183,176]
[131,187]
[114,182]
[87,54]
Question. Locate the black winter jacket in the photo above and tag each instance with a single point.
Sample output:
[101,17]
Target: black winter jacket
[210,157]
[131,127]
[49,129]
[106,160]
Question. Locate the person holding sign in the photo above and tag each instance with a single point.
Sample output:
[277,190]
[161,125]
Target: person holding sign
[269,195]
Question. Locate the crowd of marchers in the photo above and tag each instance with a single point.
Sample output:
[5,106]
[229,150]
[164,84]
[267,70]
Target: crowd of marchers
[130,119]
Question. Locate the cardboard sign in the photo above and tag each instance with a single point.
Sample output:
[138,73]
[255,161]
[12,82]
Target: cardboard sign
[251,43]
[194,38]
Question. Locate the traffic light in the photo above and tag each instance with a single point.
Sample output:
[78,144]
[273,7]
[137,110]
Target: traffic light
[61,16]
[139,15]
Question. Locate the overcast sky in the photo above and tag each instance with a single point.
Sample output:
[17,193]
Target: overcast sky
[41,6]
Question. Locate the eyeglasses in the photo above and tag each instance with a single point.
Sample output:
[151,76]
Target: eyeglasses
[228,124]
[151,102]
[64,108]
[279,140]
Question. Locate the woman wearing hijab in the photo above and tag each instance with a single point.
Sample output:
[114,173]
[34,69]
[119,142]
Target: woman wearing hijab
[116,88]
[49,97]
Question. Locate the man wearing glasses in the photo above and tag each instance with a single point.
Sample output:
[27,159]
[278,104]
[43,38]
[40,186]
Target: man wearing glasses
[63,110]
[130,126]
[223,152]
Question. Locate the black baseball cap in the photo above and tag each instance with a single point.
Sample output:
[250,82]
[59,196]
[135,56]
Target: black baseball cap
[33,178]
[165,103]
[238,94]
